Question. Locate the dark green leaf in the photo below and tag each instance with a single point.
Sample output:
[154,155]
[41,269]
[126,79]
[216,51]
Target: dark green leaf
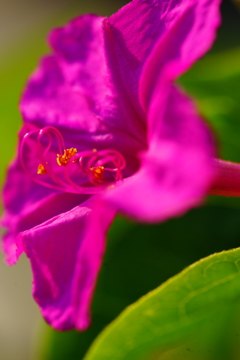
[201,301]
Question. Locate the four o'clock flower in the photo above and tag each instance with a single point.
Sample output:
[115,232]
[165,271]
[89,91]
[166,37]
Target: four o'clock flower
[105,130]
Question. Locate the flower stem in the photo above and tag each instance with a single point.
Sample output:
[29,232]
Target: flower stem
[227,182]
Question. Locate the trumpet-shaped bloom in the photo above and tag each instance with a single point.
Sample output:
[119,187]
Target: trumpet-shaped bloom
[106,130]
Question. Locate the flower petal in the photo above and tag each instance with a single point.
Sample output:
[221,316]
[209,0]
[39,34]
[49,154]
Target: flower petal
[73,91]
[66,254]
[28,204]
[20,194]
[178,168]
[191,31]
[131,34]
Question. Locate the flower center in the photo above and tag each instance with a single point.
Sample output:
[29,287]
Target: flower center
[85,172]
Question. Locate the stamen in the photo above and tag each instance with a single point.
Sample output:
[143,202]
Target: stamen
[103,168]
[63,160]
[41,170]
[98,172]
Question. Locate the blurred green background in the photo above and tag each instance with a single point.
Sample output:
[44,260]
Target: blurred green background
[139,258]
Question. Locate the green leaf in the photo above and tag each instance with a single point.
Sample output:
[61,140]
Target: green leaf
[189,313]
[141,257]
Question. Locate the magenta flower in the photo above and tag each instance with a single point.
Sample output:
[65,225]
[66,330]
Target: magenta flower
[106,131]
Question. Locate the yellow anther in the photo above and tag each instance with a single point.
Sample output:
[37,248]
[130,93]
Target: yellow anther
[94,150]
[41,170]
[110,187]
[98,172]
[63,160]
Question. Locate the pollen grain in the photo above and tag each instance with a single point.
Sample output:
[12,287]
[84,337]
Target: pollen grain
[98,172]
[41,170]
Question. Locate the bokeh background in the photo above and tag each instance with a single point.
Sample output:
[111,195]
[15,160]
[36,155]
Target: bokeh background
[139,257]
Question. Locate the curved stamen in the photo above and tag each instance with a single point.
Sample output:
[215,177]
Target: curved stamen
[103,168]
[44,152]
[95,167]
[23,162]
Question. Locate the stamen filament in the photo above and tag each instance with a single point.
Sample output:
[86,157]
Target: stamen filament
[91,163]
